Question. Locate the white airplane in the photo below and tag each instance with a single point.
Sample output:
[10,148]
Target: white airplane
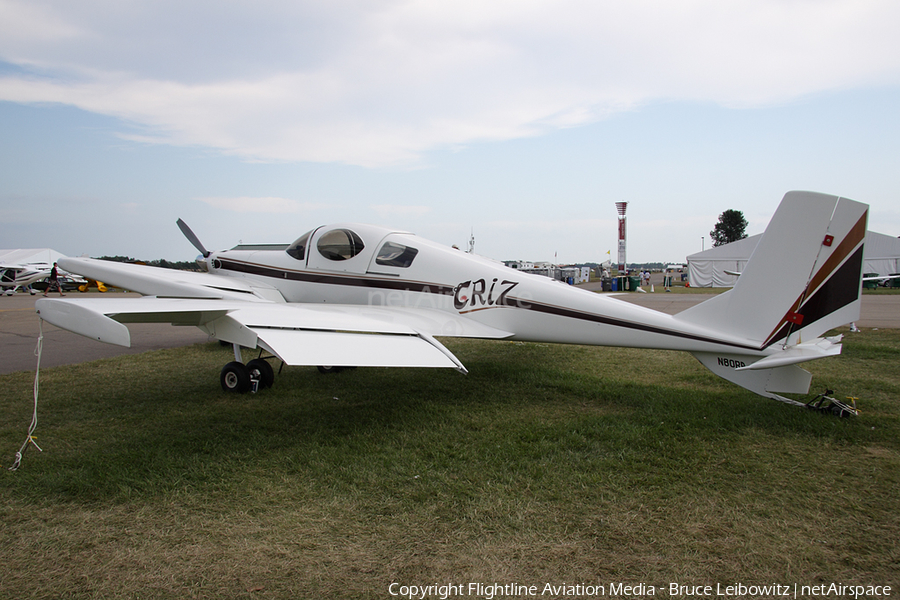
[358,295]
[13,277]
[881,279]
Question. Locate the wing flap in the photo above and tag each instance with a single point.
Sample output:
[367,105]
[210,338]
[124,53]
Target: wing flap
[355,349]
[368,319]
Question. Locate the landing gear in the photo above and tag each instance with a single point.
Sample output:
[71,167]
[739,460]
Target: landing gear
[240,378]
[235,377]
[261,371]
[825,403]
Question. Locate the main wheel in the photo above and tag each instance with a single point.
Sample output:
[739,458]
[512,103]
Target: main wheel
[262,371]
[235,377]
[327,369]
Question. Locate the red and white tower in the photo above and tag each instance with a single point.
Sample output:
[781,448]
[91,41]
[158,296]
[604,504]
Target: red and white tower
[620,206]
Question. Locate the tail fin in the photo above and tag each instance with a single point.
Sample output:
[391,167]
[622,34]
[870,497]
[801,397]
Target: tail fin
[803,278]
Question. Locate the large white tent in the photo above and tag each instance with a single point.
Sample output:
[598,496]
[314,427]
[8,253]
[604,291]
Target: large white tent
[29,256]
[882,254]
[707,269]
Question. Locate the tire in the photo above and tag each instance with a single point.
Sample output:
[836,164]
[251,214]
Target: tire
[235,377]
[327,370]
[262,371]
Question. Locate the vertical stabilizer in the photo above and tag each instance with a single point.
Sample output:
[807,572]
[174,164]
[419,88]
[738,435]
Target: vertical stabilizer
[803,278]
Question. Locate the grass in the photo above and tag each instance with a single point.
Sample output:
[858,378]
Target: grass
[546,464]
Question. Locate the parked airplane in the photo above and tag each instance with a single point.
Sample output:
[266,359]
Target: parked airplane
[13,277]
[360,295]
[881,279]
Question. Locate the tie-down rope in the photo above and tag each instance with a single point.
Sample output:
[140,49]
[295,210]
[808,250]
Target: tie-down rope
[29,439]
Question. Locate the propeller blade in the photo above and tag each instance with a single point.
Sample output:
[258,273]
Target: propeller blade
[193,239]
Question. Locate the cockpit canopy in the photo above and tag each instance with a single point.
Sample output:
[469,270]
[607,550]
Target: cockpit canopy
[340,244]
[343,243]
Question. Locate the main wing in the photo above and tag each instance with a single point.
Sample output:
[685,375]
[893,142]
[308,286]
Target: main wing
[170,283]
[240,312]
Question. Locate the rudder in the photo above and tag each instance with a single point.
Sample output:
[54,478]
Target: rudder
[803,278]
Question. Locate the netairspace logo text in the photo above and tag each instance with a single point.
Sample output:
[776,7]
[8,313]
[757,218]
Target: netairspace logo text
[490,591]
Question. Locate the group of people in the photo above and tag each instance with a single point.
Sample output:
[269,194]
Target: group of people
[645,278]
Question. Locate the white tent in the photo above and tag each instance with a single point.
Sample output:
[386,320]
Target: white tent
[882,254]
[707,269]
[29,256]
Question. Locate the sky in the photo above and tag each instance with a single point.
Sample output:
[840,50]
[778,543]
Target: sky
[521,122]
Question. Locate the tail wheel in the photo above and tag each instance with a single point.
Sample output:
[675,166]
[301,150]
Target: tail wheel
[327,369]
[261,371]
[235,377]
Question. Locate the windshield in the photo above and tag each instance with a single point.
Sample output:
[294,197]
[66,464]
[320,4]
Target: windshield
[298,248]
[396,255]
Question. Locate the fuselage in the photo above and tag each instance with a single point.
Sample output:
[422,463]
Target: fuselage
[13,276]
[372,266]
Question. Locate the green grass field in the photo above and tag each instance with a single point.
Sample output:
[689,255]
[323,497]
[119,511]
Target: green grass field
[546,464]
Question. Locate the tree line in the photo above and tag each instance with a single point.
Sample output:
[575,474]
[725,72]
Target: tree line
[181,265]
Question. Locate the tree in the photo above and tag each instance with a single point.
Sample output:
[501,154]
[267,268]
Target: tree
[730,228]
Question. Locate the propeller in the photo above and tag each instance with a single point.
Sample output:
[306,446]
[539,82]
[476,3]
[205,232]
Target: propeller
[192,238]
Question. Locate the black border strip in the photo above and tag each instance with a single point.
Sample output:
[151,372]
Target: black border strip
[603,320]
[331,279]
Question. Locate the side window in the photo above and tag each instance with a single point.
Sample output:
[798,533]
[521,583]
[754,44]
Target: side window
[340,244]
[396,255]
[298,248]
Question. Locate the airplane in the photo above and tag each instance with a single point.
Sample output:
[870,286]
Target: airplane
[353,295]
[89,283]
[881,279]
[13,277]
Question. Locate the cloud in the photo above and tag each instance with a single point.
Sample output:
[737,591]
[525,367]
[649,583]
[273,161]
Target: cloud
[256,205]
[383,83]
[396,210]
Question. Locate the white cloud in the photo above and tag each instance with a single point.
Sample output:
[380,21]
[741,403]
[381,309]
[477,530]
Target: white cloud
[378,84]
[257,205]
[398,210]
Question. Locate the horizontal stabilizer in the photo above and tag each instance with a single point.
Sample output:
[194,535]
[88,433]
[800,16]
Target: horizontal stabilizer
[818,348]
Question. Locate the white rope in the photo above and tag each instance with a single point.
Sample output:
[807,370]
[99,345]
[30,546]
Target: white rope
[29,439]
